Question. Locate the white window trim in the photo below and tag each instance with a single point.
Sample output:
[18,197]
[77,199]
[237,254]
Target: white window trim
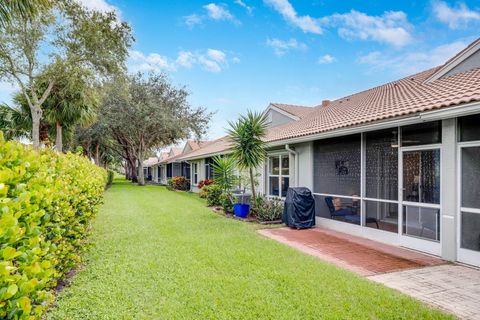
[279,175]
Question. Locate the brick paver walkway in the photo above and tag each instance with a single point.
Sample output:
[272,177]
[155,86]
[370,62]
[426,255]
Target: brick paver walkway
[356,254]
[453,288]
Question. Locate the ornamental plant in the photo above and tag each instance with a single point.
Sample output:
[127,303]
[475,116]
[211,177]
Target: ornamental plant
[204,182]
[180,183]
[47,201]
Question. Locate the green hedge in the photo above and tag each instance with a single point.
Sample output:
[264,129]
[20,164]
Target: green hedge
[47,201]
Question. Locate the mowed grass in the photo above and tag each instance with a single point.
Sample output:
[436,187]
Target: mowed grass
[162,255]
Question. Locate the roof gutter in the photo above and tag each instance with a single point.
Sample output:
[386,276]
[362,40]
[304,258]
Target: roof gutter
[297,162]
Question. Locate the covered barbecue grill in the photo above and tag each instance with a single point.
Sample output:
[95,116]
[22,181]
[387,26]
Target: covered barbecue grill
[299,210]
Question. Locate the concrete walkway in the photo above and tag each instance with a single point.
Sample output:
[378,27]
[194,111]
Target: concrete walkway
[453,288]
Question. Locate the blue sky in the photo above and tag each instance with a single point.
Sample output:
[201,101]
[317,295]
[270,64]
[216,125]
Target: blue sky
[234,55]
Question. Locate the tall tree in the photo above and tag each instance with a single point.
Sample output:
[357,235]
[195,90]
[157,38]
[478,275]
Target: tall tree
[20,9]
[55,43]
[146,112]
[247,136]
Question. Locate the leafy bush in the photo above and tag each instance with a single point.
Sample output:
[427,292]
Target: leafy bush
[213,193]
[180,183]
[226,200]
[205,182]
[268,209]
[47,201]
[110,176]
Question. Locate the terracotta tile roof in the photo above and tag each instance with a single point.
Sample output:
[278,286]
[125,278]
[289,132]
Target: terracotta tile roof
[208,149]
[195,145]
[398,98]
[150,162]
[295,110]
[176,151]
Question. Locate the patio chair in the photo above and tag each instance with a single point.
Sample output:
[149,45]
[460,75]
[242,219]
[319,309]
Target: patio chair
[348,214]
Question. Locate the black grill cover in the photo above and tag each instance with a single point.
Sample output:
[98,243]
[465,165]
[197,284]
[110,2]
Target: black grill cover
[299,210]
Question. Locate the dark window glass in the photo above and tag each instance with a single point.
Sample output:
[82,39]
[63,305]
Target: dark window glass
[382,215]
[381,169]
[274,187]
[422,133]
[469,128]
[470,231]
[337,165]
[421,222]
[471,177]
[285,184]
[421,176]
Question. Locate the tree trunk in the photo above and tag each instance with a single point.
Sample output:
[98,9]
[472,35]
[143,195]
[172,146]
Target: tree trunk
[132,169]
[97,154]
[36,117]
[254,195]
[141,176]
[58,137]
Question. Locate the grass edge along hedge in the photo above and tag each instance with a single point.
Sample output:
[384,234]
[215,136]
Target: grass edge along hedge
[47,201]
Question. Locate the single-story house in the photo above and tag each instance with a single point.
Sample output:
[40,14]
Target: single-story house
[403,156]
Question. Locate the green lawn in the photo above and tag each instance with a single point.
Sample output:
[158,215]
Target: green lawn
[163,255]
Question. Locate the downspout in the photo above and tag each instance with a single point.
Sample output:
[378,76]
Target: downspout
[297,163]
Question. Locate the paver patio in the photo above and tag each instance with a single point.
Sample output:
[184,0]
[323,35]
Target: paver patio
[451,287]
[356,254]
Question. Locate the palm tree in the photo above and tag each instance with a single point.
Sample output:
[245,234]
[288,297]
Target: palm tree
[25,9]
[247,137]
[15,122]
[224,170]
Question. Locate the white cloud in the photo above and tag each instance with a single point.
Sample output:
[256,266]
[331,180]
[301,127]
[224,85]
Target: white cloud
[236,60]
[193,20]
[212,60]
[280,47]
[392,27]
[244,5]
[326,59]
[213,11]
[218,12]
[454,17]
[151,62]
[100,5]
[412,61]
[306,23]
[216,55]
[185,59]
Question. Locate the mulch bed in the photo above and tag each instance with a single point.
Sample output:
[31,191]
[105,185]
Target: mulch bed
[252,219]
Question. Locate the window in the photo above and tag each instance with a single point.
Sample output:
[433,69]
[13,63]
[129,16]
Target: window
[278,175]
[209,168]
[195,172]
[469,128]
[422,133]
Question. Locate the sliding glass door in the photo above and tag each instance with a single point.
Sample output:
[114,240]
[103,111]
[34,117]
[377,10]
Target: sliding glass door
[469,190]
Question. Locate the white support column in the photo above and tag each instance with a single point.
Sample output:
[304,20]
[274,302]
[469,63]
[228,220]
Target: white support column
[448,174]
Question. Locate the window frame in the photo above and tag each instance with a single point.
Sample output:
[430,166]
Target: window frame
[280,175]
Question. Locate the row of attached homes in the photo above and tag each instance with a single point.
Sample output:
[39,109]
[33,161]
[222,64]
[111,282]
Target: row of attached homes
[404,156]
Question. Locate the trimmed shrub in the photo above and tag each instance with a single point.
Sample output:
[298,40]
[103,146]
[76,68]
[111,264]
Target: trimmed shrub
[204,182]
[47,201]
[213,193]
[110,176]
[268,209]
[226,199]
[180,183]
